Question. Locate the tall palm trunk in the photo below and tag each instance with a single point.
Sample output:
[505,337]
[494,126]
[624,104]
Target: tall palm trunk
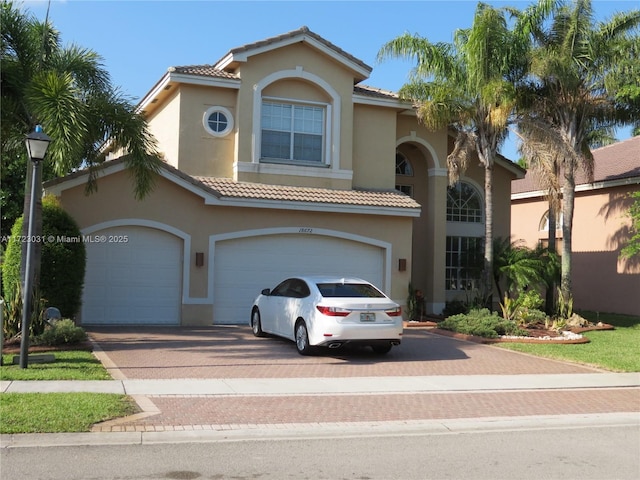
[550,298]
[568,201]
[488,234]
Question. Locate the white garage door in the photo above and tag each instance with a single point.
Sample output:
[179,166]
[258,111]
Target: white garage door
[243,267]
[133,277]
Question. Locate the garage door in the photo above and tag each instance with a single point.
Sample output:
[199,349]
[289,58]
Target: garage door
[133,276]
[243,267]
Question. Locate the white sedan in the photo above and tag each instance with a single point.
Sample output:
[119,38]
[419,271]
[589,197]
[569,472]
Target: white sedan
[328,312]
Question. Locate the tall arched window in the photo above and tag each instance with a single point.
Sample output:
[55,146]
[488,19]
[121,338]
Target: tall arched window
[465,242]
[403,169]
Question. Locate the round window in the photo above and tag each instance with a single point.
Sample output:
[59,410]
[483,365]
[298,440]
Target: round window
[217,121]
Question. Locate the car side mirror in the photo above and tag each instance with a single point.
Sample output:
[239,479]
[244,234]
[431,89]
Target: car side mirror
[266,291]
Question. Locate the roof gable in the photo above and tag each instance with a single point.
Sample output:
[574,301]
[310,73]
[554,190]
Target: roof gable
[239,55]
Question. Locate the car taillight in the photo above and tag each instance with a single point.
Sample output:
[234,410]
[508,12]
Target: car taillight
[333,311]
[394,312]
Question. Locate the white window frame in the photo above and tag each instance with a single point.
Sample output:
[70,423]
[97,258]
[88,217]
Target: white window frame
[334,113]
[326,108]
[226,113]
[464,229]
[475,218]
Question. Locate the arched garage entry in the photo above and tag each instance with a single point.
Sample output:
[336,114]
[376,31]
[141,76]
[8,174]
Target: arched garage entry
[133,276]
[246,264]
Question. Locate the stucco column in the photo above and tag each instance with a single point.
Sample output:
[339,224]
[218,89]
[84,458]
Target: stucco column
[437,235]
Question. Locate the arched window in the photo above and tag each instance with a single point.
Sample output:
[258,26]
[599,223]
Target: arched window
[465,243]
[403,167]
[544,222]
[464,204]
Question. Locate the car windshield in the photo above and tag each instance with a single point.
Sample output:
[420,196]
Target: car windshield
[363,290]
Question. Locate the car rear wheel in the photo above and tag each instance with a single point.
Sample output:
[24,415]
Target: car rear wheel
[256,327]
[302,339]
[381,349]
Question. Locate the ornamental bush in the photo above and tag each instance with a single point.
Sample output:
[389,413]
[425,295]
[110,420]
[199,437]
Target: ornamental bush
[482,323]
[62,264]
[62,332]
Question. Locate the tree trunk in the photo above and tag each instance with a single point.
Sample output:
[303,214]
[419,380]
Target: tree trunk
[488,233]
[550,297]
[568,200]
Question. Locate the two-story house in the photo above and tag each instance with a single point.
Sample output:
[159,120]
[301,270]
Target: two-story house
[278,161]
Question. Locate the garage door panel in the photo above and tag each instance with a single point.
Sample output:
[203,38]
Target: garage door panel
[135,282]
[243,267]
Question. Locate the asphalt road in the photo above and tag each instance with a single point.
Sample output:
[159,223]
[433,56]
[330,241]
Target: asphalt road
[569,449]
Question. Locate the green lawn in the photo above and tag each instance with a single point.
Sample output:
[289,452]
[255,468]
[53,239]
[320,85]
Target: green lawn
[60,412]
[616,350]
[68,365]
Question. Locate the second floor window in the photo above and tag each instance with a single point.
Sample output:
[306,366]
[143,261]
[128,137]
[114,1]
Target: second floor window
[292,133]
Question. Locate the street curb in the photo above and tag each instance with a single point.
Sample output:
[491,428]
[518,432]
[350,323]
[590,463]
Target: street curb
[226,433]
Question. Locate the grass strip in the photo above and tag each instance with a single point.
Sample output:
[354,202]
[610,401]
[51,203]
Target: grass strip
[68,365]
[60,412]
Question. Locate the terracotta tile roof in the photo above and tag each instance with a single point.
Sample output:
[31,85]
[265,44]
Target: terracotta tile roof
[227,188]
[294,33]
[203,71]
[617,161]
[368,91]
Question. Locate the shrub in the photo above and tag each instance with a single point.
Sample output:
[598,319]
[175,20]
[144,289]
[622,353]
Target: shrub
[62,262]
[530,299]
[455,307]
[482,323]
[12,314]
[62,332]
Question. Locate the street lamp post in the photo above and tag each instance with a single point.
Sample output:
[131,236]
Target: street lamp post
[37,143]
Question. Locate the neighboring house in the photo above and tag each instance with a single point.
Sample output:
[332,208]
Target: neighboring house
[278,162]
[601,281]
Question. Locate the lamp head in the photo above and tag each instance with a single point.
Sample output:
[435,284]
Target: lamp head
[37,143]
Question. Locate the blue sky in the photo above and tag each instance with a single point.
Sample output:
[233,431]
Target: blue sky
[139,40]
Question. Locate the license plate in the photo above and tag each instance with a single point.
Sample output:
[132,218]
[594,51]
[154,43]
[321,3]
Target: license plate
[367,317]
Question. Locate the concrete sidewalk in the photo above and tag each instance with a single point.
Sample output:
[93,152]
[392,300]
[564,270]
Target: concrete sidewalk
[330,386]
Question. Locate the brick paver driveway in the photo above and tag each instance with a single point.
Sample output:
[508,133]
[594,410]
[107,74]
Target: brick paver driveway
[233,352]
[222,352]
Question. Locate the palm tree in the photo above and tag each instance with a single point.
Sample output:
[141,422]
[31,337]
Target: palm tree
[467,86]
[518,266]
[69,93]
[570,104]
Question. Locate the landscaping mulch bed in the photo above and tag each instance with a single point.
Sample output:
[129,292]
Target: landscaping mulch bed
[536,334]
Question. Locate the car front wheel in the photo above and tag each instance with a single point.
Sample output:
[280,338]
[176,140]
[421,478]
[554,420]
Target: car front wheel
[302,339]
[256,327]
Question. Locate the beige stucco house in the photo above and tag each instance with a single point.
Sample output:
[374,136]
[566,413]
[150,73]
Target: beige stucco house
[601,280]
[278,161]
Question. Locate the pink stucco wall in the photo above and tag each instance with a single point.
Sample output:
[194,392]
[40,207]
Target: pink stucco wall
[601,282]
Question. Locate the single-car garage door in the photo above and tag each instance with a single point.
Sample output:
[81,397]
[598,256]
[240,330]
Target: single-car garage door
[244,266]
[133,276]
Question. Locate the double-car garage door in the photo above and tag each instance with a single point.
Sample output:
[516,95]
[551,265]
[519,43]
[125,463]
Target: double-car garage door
[139,281]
